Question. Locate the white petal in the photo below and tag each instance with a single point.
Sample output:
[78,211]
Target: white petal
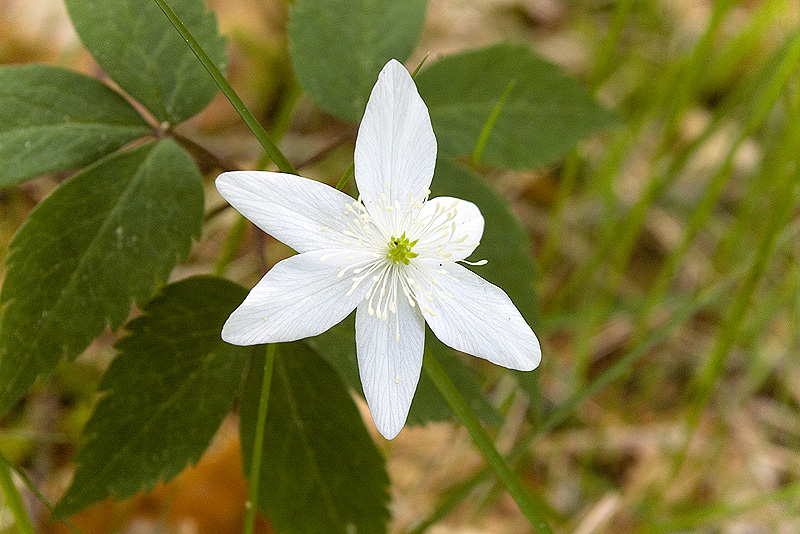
[468,223]
[389,367]
[299,297]
[304,214]
[478,318]
[395,149]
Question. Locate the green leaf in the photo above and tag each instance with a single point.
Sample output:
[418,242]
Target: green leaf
[545,113]
[139,48]
[339,46]
[337,346]
[52,119]
[105,238]
[166,394]
[505,245]
[322,473]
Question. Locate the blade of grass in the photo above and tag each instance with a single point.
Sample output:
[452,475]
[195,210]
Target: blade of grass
[686,308]
[770,94]
[619,244]
[346,176]
[13,499]
[605,56]
[618,233]
[569,176]
[720,511]
[33,489]
[247,116]
[786,197]
[488,126]
[530,505]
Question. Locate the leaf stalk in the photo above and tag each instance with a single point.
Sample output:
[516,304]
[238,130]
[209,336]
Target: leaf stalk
[247,116]
[254,476]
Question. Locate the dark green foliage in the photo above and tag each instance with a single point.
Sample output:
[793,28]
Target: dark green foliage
[165,394]
[52,119]
[140,49]
[338,47]
[545,114]
[102,240]
[321,472]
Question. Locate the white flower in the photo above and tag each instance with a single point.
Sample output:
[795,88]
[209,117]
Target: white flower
[392,255]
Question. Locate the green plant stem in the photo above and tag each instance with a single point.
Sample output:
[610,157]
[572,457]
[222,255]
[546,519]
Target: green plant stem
[488,126]
[605,56]
[786,197]
[13,499]
[263,137]
[346,176]
[254,476]
[569,177]
[33,489]
[228,254]
[529,505]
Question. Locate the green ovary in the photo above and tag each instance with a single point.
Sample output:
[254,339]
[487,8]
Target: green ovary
[400,249]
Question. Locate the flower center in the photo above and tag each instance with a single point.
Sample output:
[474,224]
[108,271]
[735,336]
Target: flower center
[399,250]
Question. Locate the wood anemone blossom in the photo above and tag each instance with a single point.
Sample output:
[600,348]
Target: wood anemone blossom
[393,255]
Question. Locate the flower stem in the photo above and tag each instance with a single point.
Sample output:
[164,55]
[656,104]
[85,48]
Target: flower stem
[263,137]
[254,477]
[13,499]
[530,505]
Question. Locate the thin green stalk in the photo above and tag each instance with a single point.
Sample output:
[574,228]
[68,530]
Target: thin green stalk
[708,375]
[33,489]
[692,521]
[228,254]
[618,235]
[569,177]
[688,79]
[346,176]
[620,241]
[254,477]
[488,126]
[605,57]
[755,339]
[533,509]
[419,66]
[263,137]
[13,499]
[619,368]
